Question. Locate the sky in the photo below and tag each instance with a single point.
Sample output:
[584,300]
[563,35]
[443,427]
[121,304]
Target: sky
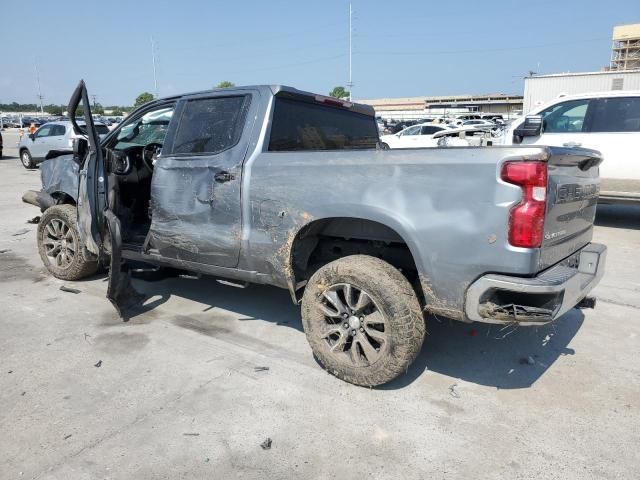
[400,49]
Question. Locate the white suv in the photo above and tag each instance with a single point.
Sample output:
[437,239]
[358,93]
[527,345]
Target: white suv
[51,136]
[608,122]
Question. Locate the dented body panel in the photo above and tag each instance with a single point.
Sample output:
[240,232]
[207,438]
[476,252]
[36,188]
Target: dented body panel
[445,204]
[60,176]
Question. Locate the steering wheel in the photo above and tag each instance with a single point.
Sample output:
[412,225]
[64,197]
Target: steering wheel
[150,154]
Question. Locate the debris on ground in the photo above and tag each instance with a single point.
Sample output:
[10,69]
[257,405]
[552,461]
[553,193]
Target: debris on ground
[191,434]
[260,369]
[69,289]
[23,393]
[206,460]
[86,335]
[34,220]
[21,232]
[266,445]
[67,437]
[527,361]
[99,364]
[5,250]
[10,371]
[453,392]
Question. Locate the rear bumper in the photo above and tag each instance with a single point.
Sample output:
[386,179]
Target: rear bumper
[538,300]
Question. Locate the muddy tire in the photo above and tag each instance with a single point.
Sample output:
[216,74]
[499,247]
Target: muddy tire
[27,160]
[363,320]
[59,244]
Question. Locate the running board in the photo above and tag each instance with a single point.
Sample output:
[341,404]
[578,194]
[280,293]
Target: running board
[231,274]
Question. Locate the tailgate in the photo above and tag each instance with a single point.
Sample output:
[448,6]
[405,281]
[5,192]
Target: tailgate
[572,197]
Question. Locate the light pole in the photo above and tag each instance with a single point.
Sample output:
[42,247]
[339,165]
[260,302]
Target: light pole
[350,82]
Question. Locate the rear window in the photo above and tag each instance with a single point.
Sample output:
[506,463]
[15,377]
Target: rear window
[102,129]
[620,114]
[299,125]
[211,125]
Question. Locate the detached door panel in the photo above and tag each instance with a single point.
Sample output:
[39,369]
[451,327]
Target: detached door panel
[195,190]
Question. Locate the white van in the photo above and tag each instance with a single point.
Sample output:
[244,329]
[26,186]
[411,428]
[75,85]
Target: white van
[608,122]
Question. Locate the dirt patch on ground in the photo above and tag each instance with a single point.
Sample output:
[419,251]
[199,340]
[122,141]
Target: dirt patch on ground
[14,267]
[121,342]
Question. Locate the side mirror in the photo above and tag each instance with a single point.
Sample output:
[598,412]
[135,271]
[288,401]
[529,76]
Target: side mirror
[531,127]
[80,147]
[32,136]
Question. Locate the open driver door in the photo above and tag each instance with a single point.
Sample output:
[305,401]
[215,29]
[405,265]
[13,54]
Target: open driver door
[98,225]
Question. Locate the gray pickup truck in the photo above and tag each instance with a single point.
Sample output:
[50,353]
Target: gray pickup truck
[272,185]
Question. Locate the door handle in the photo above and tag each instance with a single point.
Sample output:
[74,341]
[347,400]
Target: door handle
[572,144]
[222,177]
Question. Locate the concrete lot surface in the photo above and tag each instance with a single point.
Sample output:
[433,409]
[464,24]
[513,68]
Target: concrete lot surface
[181,393]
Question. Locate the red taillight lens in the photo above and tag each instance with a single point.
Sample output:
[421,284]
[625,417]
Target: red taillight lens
[526,219]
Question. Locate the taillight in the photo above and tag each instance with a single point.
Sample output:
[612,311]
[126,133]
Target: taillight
[526,219]
[333,101]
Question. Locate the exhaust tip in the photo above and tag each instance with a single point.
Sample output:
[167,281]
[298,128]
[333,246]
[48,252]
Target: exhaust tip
[587,302]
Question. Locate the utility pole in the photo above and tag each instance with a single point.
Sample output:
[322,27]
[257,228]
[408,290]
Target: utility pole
[40,97]
[350,82]
[155,74]
[93,97]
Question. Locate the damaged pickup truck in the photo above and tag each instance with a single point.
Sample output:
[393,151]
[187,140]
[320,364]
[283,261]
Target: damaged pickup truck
[272,185]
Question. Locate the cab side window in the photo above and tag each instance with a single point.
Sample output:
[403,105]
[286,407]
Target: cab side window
[565,117]
[618,114]
[211,125]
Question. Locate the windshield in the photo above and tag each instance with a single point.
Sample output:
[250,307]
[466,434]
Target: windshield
[150,128]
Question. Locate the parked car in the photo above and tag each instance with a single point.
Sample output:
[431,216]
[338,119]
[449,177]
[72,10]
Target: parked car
[607,121]
[33,148]
[417,136]
[365,240]
[11,122]
[478,123]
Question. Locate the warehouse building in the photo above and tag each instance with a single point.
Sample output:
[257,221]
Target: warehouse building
[539,89]
[414,108]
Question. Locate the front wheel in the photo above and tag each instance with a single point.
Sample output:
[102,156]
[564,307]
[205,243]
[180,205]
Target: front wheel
[59,244]
[27,160]
[363,320]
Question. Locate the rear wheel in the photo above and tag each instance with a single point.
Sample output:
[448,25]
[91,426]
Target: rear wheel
[27,160]
[363,320]
[384,146]
[59,244]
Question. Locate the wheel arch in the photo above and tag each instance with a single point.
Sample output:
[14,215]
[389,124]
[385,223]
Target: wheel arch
[377,235]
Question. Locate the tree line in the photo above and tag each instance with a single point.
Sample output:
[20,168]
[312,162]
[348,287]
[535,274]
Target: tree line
[144,97]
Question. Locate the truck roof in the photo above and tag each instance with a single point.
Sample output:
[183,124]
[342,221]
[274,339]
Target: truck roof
[279,89]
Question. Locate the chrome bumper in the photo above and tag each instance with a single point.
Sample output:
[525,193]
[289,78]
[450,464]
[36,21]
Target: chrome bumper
[561,287]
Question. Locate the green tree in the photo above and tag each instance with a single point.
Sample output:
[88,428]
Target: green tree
[98,109]
[143,98]
[226,84]
[339,92]
[116,112]
[53,109]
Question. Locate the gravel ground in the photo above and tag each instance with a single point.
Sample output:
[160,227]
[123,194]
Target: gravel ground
[181,392]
